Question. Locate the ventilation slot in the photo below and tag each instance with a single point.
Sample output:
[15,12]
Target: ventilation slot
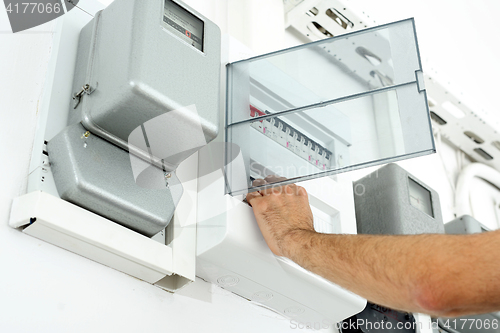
[339,18]
[474,137]
[313,11]
[438,119]
[483,154]
[496,144]
[322,30]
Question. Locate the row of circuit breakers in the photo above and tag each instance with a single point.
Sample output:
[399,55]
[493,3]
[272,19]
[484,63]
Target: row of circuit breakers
[292,139]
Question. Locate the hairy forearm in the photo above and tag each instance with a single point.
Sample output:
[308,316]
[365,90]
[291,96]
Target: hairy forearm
[443,275]
[416,273]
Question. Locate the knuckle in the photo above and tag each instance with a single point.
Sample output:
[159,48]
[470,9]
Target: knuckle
[302,191]
[258,182]
[278,190]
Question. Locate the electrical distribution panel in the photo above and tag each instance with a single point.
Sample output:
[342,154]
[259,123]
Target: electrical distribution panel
[326,107]
[306,112]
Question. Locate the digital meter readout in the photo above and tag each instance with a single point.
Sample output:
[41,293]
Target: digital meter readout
[184,24]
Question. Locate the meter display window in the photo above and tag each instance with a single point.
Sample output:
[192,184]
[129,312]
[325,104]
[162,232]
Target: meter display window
[420,197]
[183,24]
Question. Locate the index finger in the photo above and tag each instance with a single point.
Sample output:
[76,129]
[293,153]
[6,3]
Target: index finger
[252,196]
[274,179]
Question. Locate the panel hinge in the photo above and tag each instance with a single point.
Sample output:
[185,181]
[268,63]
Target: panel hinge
[419,76]
[86,89]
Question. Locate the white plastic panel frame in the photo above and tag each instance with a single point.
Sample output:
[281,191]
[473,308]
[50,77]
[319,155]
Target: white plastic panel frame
[42,214]
[232,253]
[463,126]
[61,223]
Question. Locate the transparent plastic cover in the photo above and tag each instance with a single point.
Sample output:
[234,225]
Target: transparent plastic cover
[326,107]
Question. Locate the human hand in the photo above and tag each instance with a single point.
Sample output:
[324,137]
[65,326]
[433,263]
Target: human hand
[281,212]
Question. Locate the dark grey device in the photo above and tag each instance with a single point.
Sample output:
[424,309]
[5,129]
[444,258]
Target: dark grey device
[464,225]
[98,176]
[146,97]
[392,201]
[378,319]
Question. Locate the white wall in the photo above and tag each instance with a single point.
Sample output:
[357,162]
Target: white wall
[47,289]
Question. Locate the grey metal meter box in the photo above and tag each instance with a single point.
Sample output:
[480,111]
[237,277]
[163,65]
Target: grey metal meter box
[139,60]
[326,107]
[463,225]
[98,176]
[392,201]
[146,96]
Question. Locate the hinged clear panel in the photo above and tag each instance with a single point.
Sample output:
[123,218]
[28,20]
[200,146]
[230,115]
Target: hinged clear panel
[327,107]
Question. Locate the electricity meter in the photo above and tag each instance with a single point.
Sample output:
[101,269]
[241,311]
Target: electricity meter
[327,107]
[146,97]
